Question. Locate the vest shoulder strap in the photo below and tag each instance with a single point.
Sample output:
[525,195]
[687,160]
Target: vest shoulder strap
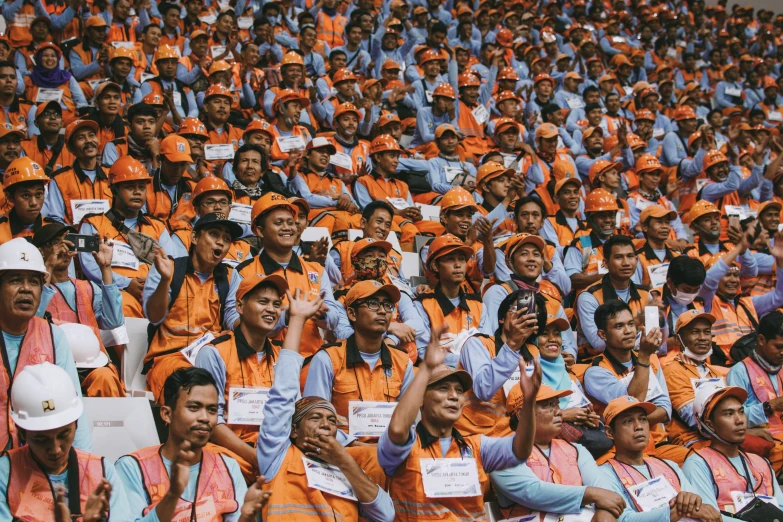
[593,289]
[244,263]
[597,361]
[61,171]
[221,339]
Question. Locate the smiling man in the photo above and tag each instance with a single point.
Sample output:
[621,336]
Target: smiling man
[183,477]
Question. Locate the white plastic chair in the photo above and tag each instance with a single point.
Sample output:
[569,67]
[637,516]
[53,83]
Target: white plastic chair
[120,425]
[133,358]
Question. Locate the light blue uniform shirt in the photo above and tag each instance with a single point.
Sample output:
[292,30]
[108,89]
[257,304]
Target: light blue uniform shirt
[519,485]
[131,476]
[106,302]
[118,503]
[54,204]
[738,376]
[601,384]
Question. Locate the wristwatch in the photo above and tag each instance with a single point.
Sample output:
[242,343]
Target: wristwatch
[768,411]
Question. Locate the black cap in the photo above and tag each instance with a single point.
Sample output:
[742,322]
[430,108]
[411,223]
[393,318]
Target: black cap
[48,232]
[219,219]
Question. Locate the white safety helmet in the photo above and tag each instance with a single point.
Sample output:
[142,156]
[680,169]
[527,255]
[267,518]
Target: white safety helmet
[84,345]
[20,254]
[43,398]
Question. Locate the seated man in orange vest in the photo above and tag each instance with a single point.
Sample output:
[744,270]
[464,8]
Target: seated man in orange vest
[34,480]
[562,227]
[654,254]
[128,181]
[299,434]
[363,367]
[559,477]
[184,478]
[722,469]
[627,423]
[170,191]
[24,184]
[621,370]
[189,297]
[217,109]
[48,148]
[705,220]
[290,138]
[411,453]
[182,102]
[141,141]
[70,300]
[759,375]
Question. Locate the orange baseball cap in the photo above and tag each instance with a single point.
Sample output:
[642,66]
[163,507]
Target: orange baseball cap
[271,201]
[251,283]
[657,211]
[769,205]
[101,88]
[625,403]
[42,107]
[95,21]
[176,149]
[590,131]
[563,170]
[368,242]
[688,316]
[76,125]
[547,130]
[444,128]
[365,289]
[515,399]
[565,181]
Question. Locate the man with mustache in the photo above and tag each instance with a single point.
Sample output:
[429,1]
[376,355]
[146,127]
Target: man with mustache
[24,184]
[627,422]
[558,477]
[85,179]
[29,340]
[621,370]
[10,145]
[128,180]
[188,297]
[185,476]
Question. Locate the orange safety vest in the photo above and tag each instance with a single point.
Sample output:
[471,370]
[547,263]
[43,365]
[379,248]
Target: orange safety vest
[147,225]
[629,476]
[159,203]
[331,29]
[591,247]
[16,114]
[475,141]
[67,103]
[30,494]
[322,185]
[647,258]
[293,500]
[406,487]
[277,153]
[303,92]
[565,236]
[244,370]
[546,168]
[381,188]
[657,432]
[177,40]
[62,312]
[688,189]
[19,27]
[73,184]
[355,381]
[484,417]
[561,467]
[359,154]
[733,319]
[466,315]
[121,33]
[764,390]
[301,274]
[726,478]
[508,226]
[215,495]
[37,347]
[11,228]
[345,247]
[85,53]
[35,149]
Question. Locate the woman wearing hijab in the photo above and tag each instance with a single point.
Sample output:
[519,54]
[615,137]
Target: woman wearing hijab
[47,78]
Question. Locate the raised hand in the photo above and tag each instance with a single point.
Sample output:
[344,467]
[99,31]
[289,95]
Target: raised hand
[436,354]
[180,470]
[104,254]
[529,384]
[300,306]
[255,500]
[96,508]
[319,251]
[164,264]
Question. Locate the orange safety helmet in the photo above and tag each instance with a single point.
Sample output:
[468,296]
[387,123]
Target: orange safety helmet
[648,163]
[468,80]
[219,66]
[165,52]
[193,126]
[702,208]
[123,52]
[271,201]
[445,245]
[600,200]
[445,90]
[287,95]
[712,158]
[292,58]
[211,184]
[343,75]
[128,169]
[383,143]
[508,73]
[22,170]
[491,170]
[346,108]
[217,90]
[457,198]
[429,56]
[258,126]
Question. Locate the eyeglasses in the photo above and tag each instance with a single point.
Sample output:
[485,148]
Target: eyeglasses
[51,114]
[212,203]
[374,305]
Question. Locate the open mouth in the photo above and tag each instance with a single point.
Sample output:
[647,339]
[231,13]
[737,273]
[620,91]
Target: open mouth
[217,252]
[269,318]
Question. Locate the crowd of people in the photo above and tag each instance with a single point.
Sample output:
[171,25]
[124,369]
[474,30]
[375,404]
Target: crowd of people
[592,193]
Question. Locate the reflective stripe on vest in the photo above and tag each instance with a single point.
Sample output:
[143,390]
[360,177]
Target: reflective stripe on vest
[726,478]
[215,495]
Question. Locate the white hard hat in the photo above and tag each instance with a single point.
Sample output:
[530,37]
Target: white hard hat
[84,345]
[20,254]
[708,396]
[43,398]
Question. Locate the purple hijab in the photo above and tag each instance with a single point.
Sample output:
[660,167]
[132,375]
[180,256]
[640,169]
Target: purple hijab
[49,78]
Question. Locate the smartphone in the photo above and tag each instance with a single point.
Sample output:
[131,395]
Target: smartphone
[84,243]
[527,301]
[650,318]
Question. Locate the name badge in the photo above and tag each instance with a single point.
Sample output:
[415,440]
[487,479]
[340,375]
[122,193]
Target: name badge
[602,270]
[47,95]
[428,94]
[369,418]
[83,207]
[657,274]
[514,379]
[123,45]
[658,132]
[577,399]
[245,22]
[398,203]
[652,494]
[342,160]
[328,479]
[218,151]
[451,172]
[672,52]
[429,212]
[146,76]
[240,213]
[618,39]
[123,256]
[481,114]
[627,90]
[208,19]
[575,103]
[653,388]
[95,83]
[449,478]
[177,98]
[743,498]
[289,143]
[586,515]
[733,91]
[774,116]
[217,50]
[246,405]
[743,211]
[709,382]
[190,352]
[642,204]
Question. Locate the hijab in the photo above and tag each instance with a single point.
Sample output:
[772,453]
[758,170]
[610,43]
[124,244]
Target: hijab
[49,78]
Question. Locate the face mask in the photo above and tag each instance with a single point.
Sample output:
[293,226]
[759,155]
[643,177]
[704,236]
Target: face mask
[683,298]
[688,353]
